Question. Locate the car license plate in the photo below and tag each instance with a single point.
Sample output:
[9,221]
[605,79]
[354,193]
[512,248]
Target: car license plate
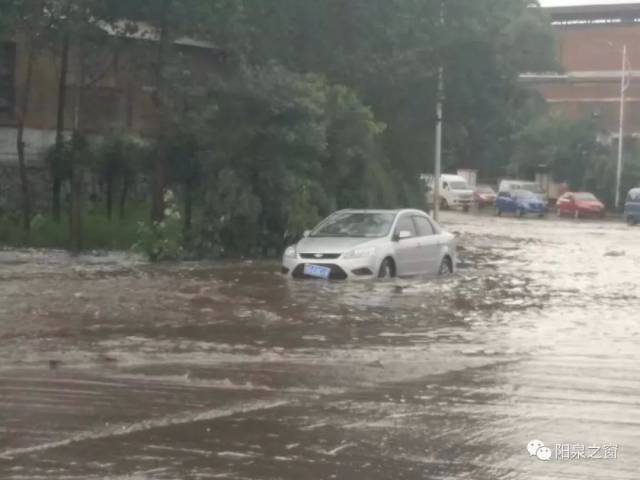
[317,271]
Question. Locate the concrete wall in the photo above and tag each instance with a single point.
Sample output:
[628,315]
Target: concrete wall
[37,142]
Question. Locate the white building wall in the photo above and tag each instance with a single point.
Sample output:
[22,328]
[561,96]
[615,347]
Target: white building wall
[37,143]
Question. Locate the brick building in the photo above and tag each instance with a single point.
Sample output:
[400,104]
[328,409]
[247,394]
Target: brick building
[118,96]
[590,40]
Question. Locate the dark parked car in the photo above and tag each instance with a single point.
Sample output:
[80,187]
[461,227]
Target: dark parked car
[485,196]
[632,207]
[520,202]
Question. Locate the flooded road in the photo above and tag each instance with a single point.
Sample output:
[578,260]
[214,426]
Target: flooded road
[114,369]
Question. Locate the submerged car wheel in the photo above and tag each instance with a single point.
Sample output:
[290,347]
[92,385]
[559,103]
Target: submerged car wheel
[444,205]
[498,212]
[387,269]
[446,268]
[631,220]
[520,212]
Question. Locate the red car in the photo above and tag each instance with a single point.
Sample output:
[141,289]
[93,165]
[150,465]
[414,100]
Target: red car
[580,204]
[484,196]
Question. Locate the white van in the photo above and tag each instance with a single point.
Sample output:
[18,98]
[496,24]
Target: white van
[455,192]
[512,185]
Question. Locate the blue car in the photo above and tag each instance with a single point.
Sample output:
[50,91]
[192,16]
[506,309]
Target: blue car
[632,207]
[520,202]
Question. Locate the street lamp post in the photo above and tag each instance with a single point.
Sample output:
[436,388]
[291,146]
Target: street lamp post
[623,88]
[438,140]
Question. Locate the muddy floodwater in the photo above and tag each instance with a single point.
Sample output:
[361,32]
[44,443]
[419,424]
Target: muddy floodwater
[114,369]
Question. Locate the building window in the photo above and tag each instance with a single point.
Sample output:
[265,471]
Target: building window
[7,76]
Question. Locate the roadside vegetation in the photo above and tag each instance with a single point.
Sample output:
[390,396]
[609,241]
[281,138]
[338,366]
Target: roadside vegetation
[315,106]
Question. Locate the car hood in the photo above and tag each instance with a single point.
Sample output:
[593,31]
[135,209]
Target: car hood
[331,244]
[530,203]
[464,191]
[590,204]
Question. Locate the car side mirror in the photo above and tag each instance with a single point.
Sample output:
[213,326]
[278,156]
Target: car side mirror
[306,233]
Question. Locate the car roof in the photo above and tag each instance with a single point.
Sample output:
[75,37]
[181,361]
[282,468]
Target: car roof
[367,210]
[394,212]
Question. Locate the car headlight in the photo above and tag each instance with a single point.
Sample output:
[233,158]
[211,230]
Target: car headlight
[360,253]
[291,252]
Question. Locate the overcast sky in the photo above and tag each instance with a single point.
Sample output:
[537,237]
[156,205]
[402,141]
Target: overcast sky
[561,3]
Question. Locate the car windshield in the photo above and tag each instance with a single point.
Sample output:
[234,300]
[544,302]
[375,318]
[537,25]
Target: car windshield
[585,197]
[524,194]
[358,225]
[458,185]
[532,187]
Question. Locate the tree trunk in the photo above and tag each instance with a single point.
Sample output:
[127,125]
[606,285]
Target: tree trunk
[75,222]
[20,144]
[62,104]
[159,164]
[123,196]
[76,205]
[55,201]
[158,188]
[110,185]
[188,206]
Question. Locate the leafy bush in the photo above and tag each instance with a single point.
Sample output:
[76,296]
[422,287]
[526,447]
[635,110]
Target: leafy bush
[162,241]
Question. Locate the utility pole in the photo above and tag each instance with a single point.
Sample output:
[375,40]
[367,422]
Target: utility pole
[623,88]
[438,142]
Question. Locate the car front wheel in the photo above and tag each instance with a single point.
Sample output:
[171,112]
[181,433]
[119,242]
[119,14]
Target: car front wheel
[387,269]
[446,267]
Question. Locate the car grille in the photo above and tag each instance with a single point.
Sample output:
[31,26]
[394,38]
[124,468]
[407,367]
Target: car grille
[320,256]
[337,273]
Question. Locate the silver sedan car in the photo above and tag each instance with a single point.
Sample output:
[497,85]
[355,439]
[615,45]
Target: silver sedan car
[352,244]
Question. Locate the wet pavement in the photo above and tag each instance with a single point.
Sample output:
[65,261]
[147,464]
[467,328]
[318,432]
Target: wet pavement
[114,369]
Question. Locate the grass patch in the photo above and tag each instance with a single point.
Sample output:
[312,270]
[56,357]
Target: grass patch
[98,232]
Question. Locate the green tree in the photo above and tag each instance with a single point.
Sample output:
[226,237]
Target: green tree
[118,157]
[27,20]
[302,143]
[570,149]
[390,52]
[211,20]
